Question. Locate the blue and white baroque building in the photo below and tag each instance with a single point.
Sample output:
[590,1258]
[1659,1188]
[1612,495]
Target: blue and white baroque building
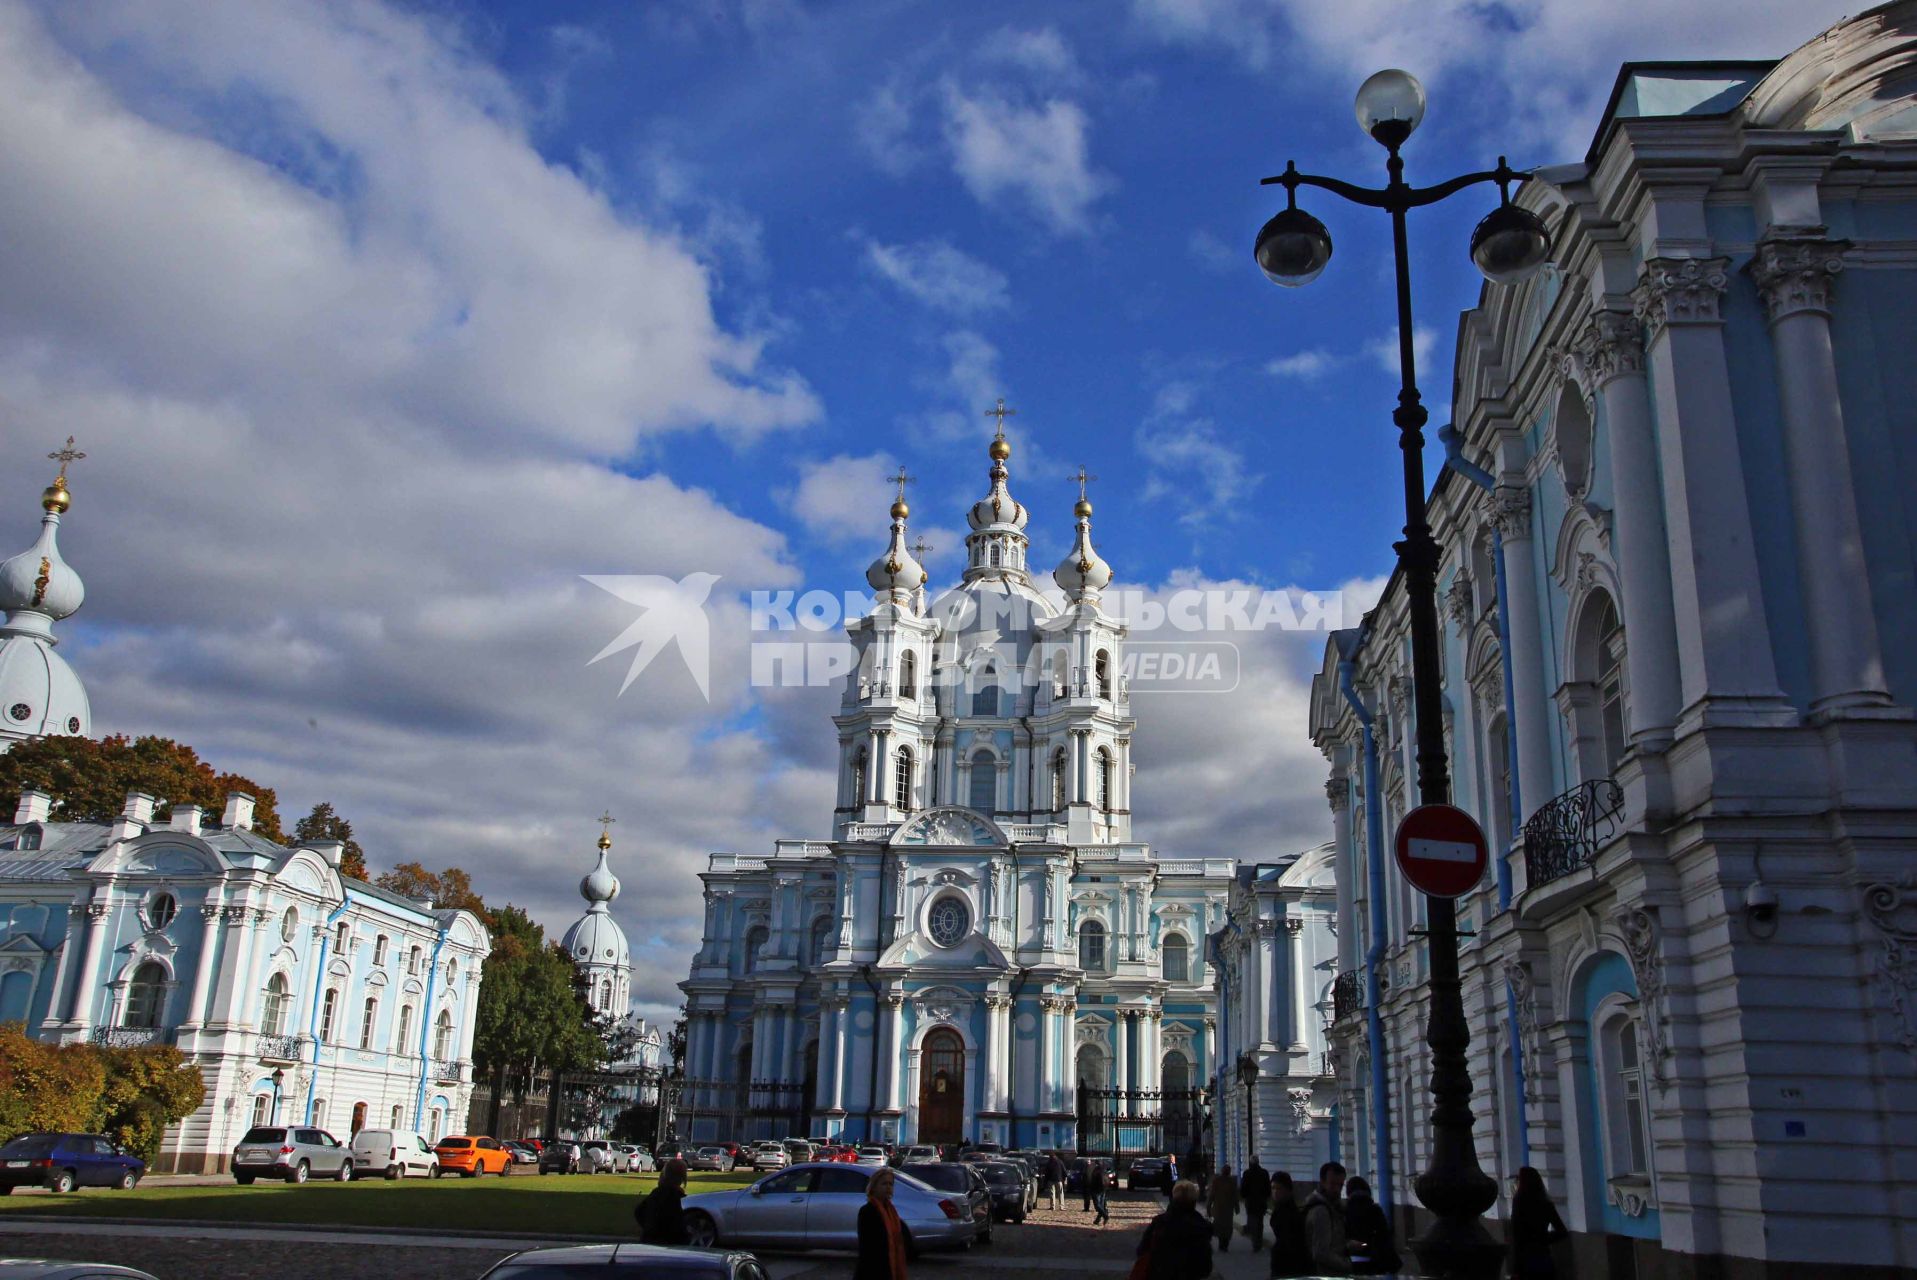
[981,935]
[1680,670]
[302,996]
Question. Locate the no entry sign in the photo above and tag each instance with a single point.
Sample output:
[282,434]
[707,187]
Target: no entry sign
[1441,850]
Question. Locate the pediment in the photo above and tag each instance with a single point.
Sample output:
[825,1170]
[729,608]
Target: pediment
[917,951]
[161,853]
[949,827]
[23,944]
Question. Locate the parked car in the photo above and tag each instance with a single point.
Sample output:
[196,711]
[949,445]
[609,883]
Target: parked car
[1075,1173]
[559,1157]
[295,1154]
[916,1155]
[871,1157]
[630,1260]
[393,1153]
[472,1157]
[1009,1186]
[637,1158]
[63,1161]
[768,1155]
[49,1269]
[521,1151]
[816,1206]
[957,1179]
[799,1151]
[709,1160]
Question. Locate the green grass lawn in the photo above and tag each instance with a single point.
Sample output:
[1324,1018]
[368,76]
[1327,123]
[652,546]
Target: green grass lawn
[585,1204]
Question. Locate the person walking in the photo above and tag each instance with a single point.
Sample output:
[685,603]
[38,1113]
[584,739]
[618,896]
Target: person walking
[1325,1222]
[1368,1234]
[1290,1252]
[1171,1177]
[661,1215]
[1535,1227]
[1255,1190]
[881,1234]
[1085,1182]
[1224,1206]
[1101,1192]
[1055,1180]
[1177,1243]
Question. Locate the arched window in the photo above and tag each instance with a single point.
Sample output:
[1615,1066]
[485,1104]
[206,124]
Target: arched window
[993,555]
[1104,780]
[1102,673]
[277,1006]
[908,676]
[605,995]
[443,1035]
[329,1005]
[1091,947]
[341,937]
[821,935]
[379,950]
[984,782]
[412,960]
[1610,685]
[369,1018]
[1176,954]
[403,1042]
[1060,766]
[902,779]
[145,996]
[1627,1133]
[754,939]
[858,777]
[399,1114]
[985,696]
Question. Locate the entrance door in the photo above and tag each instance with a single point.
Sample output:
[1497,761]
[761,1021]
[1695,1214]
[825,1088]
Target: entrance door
[942,1087]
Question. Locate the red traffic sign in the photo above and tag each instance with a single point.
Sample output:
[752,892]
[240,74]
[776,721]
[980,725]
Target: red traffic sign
[1441,850]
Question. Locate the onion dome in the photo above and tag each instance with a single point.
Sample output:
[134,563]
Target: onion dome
[998,507]
[596,938]
[1083,573]
[39,692]
[896,575]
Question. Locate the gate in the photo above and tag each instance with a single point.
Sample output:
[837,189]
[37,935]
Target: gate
[707,1111]
[1142,1122]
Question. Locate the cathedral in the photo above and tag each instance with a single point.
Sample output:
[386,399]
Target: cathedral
[981,951]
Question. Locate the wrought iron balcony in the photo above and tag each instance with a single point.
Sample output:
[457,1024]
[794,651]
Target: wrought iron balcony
[280,1048]
[131,1037]
[1567,832]
[1347,995]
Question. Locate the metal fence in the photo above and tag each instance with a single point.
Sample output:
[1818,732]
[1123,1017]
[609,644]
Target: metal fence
[1139,1122]
[740,1111]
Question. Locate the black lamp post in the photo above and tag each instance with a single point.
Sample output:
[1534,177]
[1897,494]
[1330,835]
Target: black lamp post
[1508,245]
[279,1078]
[1248,1076]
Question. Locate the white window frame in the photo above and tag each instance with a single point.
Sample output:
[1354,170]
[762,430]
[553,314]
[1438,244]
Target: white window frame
[1624,1102]
[369,1022]
[1095,928]
[329,1008]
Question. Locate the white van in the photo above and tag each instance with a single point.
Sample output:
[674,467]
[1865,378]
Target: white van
[392,1152]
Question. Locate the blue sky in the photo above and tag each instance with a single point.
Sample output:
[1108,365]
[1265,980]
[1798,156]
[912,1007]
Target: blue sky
[383,324]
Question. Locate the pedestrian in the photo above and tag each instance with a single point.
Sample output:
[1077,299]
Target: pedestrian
[1171,1176]
[1325,1222]
[661,1215]
[1101,1191]
[1224,1206]
[881,1235]
[1085,1182]
[1055,1179]
[1255,1190]
[1290,1253]
[1177,1243]
[1535,1227]
[1368,1234]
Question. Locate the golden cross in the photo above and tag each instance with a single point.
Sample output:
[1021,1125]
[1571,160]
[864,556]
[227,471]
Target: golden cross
[901,480]
[1001,413]
[919,549]
[1083,480]
[71,454]
[606,820]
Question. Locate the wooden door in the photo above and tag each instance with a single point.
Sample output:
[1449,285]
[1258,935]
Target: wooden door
[942,1088]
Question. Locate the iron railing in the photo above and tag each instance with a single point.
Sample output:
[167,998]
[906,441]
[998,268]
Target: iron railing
[1567,832]
[1141,1122]
[280,1048]
[1347,995]
[131,1037]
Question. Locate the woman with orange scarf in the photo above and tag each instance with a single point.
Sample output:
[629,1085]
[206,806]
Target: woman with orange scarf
[881,1234]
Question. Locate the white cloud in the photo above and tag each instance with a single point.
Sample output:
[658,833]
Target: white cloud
[1192,467]
[1385,350]
[1034,155]
[940,276]
[882,124]
[845,498]
[1044,53]
[1303,364]
[1213,253]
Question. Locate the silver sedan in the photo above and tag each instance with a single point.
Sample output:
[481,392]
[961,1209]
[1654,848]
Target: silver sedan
[816,1206]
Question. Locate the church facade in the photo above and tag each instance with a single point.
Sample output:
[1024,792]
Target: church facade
[981,951]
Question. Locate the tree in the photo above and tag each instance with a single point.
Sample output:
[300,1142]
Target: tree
[89,778]
[531,1015]
[324,824]
[131,1095]
[450,889]
[676,1046]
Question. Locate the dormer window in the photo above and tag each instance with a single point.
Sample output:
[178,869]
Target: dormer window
[29,838]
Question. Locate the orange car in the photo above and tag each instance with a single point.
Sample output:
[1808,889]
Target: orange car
[470,1157]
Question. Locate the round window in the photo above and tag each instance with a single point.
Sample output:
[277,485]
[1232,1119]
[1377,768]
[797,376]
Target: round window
[160,910]
[73,724]
[289,925]
[949,921]
[19,711]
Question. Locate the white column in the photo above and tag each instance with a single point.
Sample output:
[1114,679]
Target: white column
[1301,982]
[988,1096]
[1338,792]
[1610,358]
[889,1056]
[1847,668]
[1154,1048]
[1122,1062]
[1081,763]
[85,987]
[841,1015]
[1728,673]
[1048,1091]
[1264,984]
[790,1070]
[196,1012]
[1530,687]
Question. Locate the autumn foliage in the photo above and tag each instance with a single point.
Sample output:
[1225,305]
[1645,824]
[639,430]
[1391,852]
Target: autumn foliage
[89,778]
[130,1095]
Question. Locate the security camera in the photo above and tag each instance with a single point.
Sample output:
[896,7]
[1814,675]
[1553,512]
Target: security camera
[1760,905]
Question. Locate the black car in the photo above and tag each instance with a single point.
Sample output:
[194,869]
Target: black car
[1010,1187]
[560,1157]
[1150,1172]
[63,1161]
[654,1262]
[958,1179]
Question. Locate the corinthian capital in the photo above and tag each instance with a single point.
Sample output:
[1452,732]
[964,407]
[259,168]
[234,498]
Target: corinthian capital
[1609,345]
[1511,511]
[1797,273]
[1679,291]
[1338,791]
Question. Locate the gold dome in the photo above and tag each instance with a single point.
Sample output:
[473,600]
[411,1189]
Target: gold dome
[605,839]
[55,497]
[900,510]
[1001,449]
[1082,509]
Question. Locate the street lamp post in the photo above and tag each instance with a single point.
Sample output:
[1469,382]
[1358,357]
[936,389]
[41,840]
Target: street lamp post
[279,1078]
[1508,245]
[1248,1076]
